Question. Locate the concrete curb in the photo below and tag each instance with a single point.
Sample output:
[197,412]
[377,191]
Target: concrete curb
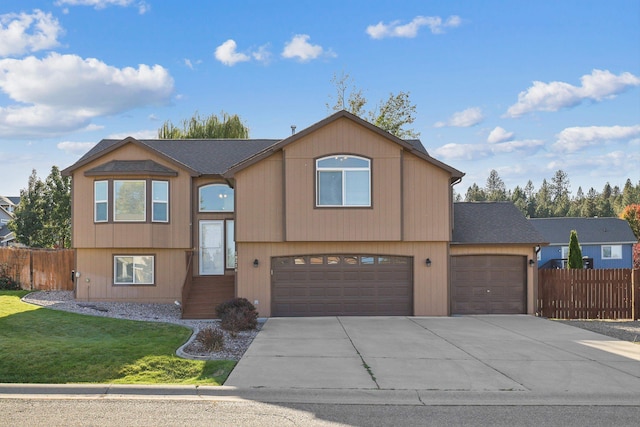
[315,396]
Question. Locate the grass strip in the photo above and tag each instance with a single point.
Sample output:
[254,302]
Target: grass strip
[40,345]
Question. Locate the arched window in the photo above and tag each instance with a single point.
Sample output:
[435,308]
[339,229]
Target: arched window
[343,180]
[215,198]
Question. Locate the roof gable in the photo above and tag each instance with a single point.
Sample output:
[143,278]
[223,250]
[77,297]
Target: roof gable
[413,146]
[492,223]
[590,230]
[197,156]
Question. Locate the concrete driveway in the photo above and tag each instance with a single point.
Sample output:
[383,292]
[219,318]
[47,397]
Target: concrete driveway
[471,353]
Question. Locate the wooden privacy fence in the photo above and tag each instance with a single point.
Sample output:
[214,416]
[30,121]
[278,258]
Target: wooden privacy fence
[40,269]
[589,294]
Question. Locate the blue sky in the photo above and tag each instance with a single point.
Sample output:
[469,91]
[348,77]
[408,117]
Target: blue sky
[525,88]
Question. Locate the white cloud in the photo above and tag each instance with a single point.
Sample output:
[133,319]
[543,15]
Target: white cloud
[455,151]
[467,118]
[62,93]
[138,134]
[226,53]
[498,134]
[554,96]
[410,30]
[300,49]
[23,33]
[576,138]
[143,6]
[263,54]
[75,148]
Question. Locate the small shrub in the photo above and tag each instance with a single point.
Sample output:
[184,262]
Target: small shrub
[211,339]
[236,315]
[6,281]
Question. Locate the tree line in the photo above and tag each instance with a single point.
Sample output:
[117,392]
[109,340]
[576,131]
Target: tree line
[554,198]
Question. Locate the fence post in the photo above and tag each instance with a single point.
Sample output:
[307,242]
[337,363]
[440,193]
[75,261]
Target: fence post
[635,286]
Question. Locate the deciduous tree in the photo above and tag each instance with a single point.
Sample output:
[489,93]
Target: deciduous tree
[394,114]
[227,126]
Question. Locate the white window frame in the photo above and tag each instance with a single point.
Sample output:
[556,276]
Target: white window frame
[225,186]
[115,200]
[155,201]
[97,201]
[617,254]
[133,281]
[344,171]
[230,237]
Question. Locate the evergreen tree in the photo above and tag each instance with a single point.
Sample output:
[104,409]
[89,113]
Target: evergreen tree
[589,209]
[28,222]
[495,189]
[475,194]
[543,201]
[519,199]
[529,192]
[43,217]
[575,254]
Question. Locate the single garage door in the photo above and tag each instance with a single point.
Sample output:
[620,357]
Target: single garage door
[342,285]
[488,284]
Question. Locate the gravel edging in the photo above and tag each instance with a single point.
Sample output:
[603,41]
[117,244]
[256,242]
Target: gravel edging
[234,348]
[625,330]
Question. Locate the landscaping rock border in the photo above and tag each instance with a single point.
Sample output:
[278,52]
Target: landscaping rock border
[234,347]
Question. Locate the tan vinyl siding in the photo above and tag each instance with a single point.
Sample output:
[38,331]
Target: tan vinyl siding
[259,201]
[87,234]
[305,222]
[430,283]
[426,212]
[96,276]
[526,251]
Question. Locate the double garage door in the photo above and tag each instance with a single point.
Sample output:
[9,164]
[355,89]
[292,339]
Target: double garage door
[488,284]
[342,285]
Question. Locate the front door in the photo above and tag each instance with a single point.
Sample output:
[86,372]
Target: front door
[211,248]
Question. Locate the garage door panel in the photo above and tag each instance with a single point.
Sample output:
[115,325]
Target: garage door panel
[342,285]
[488,284]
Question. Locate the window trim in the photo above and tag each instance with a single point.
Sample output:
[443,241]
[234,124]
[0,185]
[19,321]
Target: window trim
[153,270]
[230,224]
[144,210]
[215,184]
[154,201]
[343,170]
[96,201]
[612,257]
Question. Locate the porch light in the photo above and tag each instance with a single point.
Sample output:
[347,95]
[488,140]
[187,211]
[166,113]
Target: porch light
[531,262]
[256,263]
[428,262]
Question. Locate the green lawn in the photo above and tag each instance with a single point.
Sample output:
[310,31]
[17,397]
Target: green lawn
[39,345]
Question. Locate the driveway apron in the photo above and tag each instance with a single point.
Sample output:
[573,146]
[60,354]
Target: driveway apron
[468,353]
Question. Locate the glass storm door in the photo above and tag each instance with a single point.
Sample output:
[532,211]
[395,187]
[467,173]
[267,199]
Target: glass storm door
[211,248]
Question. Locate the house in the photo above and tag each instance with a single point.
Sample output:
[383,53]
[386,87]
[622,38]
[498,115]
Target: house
[341,218]
[606,242]
[7,208]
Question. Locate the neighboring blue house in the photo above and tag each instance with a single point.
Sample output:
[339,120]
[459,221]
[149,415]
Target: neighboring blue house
[606,241]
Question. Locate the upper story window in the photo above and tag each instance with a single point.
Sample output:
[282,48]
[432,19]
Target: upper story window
[343,180]
[160,201]
[215,198]
[100,201]
[130,200]
[611,251]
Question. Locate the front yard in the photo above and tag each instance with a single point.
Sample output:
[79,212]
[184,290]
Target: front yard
[39,345]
